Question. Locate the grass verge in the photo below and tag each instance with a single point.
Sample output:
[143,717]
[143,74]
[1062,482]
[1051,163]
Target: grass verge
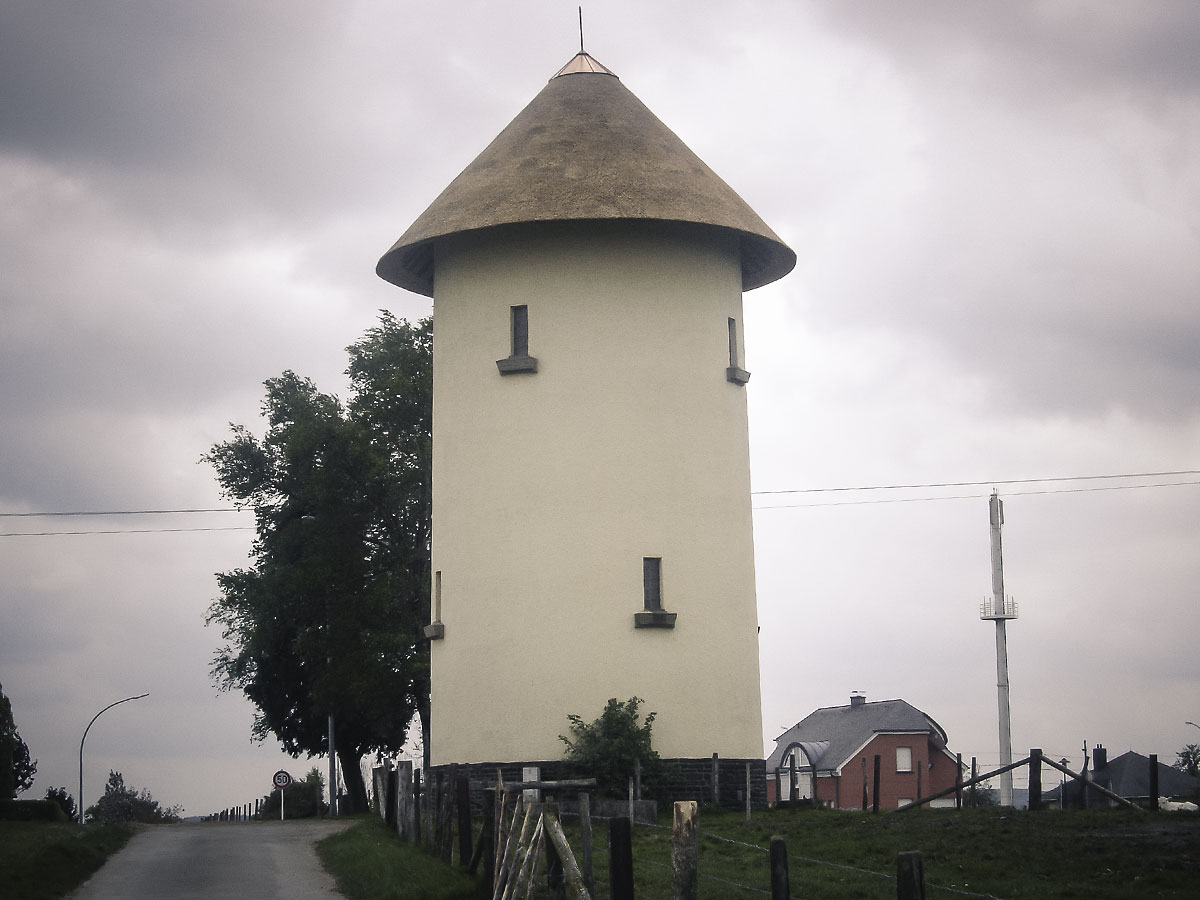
[47,860]
[998,853]
[1097,855]
[371,863]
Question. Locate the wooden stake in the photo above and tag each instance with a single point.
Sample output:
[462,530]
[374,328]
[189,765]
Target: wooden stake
[685,842]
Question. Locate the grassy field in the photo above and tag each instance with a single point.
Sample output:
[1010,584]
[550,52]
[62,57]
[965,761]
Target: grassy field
[46,860]
[1006,854]
[1052,855]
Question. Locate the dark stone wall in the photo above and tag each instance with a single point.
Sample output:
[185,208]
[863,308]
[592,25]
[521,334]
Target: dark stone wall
[695,781]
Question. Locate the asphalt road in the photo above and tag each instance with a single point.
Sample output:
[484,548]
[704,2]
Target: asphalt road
[259,861]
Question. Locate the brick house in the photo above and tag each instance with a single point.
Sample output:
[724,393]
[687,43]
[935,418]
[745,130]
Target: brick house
[840,743]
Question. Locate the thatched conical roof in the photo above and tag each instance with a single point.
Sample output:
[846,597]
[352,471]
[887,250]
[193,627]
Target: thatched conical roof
[585,148]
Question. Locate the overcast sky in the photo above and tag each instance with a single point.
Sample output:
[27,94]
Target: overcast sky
[996,210]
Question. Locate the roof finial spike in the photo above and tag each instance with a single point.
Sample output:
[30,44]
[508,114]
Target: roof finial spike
[581,50]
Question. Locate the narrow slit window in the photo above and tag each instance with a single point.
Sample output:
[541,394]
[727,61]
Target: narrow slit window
[734,372]
[435,630]
[652,582]
[520,331]
[518,359]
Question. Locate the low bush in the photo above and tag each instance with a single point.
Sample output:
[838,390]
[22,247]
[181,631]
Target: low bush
[31,811]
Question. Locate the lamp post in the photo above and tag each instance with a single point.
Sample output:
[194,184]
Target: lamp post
[84,738]
[1193,724]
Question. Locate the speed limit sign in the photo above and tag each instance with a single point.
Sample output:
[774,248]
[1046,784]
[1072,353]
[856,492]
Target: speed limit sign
[281,779]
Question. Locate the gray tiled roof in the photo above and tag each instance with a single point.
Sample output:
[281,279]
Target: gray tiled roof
[587,149]
[847,728]
[1128,775]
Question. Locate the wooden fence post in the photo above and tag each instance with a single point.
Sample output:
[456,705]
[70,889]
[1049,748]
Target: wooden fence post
[404,801]
[684,851]
[1035,779]
[910,876]
[483,847]
[716,780]
[417,798]
[620,859]
[585,838]
[875,787]
[781,888]
[632,817]
[446,815]
[573,887]
[974,773]
[462,788]
[747,793]
[391,807]
[556,879]
[1154,781]
[958,781]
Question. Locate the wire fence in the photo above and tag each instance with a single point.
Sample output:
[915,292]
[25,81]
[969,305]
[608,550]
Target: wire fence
[886,876]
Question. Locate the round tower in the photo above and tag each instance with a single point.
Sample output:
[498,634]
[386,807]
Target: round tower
[592,531]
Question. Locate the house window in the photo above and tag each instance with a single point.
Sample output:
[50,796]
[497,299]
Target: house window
[518,359]
[652,615]
[904,759]
[735,373]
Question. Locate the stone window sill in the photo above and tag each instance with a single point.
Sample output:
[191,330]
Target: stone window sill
[654,618]
[514,364]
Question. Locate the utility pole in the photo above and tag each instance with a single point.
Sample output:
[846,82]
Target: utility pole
[1000,609]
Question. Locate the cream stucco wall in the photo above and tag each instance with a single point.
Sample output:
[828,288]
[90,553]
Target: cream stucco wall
[550,488]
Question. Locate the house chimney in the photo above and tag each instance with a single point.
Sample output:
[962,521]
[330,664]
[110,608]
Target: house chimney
[857,698]
[1099,757]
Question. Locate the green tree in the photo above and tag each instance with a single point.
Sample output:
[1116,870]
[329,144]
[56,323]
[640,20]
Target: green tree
[63,798]
[124,804]
[301,799]
[16,768]
[606,748]
[1188,760]
[329,618]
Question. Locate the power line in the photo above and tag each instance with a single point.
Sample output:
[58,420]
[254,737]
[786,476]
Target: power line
[871,487]
[947,484]
[1081,490]
[122,531]
[121,512]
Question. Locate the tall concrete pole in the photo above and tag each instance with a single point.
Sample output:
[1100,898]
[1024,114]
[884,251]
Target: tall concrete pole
[1000,612]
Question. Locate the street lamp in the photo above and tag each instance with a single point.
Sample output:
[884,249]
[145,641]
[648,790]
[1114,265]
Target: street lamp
[1193,724]
[84,738]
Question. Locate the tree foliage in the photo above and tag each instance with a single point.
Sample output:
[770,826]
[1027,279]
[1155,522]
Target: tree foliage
[1188,760]
[63,798]
[328,618]
[125,804]
[16,767]
[605,749]
[302,799]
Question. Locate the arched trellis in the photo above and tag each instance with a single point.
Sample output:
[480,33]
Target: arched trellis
[812,751]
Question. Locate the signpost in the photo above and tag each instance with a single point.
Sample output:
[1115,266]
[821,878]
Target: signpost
[281,779]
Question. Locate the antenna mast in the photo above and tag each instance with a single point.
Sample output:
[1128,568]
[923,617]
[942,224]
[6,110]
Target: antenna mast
[581,50]
[1000,609]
